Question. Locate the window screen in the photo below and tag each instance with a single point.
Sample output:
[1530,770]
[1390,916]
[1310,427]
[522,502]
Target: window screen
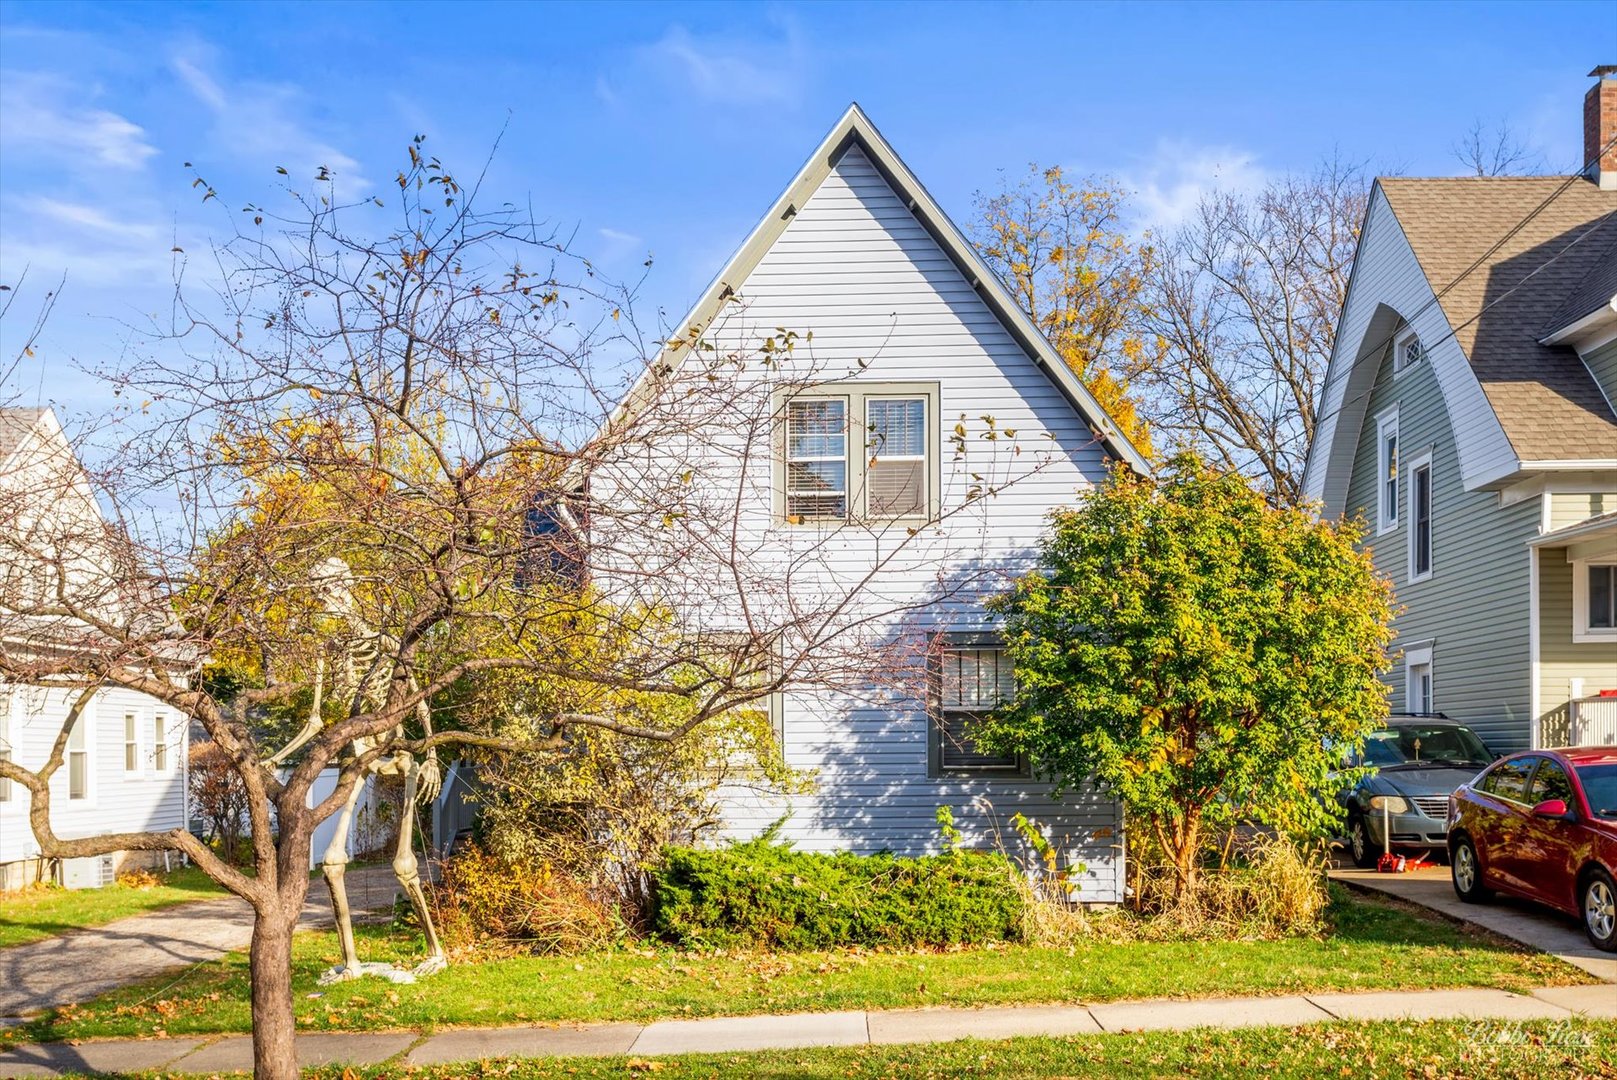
[895,477]
[972,681]
[817,458]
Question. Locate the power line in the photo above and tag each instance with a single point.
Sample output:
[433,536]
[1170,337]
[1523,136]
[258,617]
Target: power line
[1379,348]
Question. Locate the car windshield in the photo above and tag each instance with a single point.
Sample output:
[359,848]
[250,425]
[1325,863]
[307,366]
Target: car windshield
[1414,743]
[1600,787]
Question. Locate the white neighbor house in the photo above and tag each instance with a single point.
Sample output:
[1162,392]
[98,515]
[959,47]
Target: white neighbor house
[126,758]
[912,336]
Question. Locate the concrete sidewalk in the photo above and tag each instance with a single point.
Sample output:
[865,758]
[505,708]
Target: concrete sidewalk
[87,963]
[1521,921]
[727,1034]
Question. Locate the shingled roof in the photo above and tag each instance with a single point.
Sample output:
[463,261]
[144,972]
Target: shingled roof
[1547,402]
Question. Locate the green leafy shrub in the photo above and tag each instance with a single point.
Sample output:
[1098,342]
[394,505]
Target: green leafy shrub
[764,894]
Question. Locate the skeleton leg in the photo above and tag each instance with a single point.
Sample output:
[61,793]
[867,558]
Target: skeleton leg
[334,863]
[409,872]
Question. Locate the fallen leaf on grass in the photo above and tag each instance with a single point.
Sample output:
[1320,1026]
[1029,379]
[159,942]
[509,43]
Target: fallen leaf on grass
[642,1065]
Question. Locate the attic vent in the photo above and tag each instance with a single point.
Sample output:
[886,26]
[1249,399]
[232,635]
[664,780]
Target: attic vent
[1410,352]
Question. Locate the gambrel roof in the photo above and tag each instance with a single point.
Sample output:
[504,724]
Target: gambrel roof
[854,129]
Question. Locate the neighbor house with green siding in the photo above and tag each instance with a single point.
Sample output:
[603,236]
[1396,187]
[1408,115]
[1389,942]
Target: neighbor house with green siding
[1469,417]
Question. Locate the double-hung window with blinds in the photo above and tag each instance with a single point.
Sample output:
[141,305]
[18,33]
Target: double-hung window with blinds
[131,743]
[972,681]
[895,471]
[817,458]
[159,742]
[78,760]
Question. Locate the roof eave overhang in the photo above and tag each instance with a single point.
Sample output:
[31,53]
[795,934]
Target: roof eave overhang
[1593,329]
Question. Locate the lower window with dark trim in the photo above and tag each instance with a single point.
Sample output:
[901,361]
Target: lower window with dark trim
[969,679]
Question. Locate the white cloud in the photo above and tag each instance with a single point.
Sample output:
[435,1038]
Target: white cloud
[618,237]
[89,219]
[1168,187]
[259,122]
[725,69]
[49,116]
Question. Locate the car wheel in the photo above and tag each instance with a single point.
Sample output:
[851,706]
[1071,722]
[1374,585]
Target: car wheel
[1466,871]
[1598,904]
[1359,845]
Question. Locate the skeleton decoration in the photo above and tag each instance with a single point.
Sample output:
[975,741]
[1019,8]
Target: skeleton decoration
[359,674]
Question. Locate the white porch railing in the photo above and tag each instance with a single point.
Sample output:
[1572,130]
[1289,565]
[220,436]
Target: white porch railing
[1594,721]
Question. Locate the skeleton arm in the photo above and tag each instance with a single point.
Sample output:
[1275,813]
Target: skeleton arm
[429,778]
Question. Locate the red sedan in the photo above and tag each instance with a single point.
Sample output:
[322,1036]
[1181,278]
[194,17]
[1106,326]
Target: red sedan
[1542,825]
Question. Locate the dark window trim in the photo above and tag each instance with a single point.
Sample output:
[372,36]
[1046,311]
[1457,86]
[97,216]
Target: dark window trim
[935,769]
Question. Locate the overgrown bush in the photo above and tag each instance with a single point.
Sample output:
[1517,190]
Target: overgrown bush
[604,810]
[766,895]
[487,902]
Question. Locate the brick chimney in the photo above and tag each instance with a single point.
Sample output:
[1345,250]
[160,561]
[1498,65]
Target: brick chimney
[1600,128]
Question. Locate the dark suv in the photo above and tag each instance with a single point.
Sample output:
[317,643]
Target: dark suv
[1419,761]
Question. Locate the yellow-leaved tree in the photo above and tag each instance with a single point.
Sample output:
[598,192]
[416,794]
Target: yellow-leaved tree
[1065,255]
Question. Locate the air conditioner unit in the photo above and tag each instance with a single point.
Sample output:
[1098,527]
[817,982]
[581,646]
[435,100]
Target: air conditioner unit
[89,873]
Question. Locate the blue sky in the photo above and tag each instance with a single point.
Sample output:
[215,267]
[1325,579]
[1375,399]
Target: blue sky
[667,129]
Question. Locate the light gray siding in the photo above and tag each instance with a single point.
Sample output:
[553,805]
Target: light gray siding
[1602,364]
[1473,610]
[1561,659]
[886,305]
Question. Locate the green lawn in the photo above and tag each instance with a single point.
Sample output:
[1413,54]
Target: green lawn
[1373,946]
[1529,1051]
[31,914]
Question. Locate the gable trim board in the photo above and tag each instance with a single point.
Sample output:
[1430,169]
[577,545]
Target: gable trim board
[855,129]
[1366,328]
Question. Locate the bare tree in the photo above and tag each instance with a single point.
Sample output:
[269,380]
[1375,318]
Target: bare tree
[1494,153]
[1244,302]
[537,532]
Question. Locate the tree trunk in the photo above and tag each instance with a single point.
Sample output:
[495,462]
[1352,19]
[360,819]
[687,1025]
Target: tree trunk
[274,1054]
[1187,845]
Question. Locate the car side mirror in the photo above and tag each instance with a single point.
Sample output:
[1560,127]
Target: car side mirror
[1550,808]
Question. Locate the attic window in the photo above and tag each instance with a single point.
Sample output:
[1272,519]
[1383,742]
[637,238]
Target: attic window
[1410,352]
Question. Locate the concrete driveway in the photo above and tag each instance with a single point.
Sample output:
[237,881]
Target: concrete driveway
[1519,920]
[85,964]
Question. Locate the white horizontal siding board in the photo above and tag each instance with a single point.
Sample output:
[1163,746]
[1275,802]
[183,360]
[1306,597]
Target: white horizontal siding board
[856,269]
